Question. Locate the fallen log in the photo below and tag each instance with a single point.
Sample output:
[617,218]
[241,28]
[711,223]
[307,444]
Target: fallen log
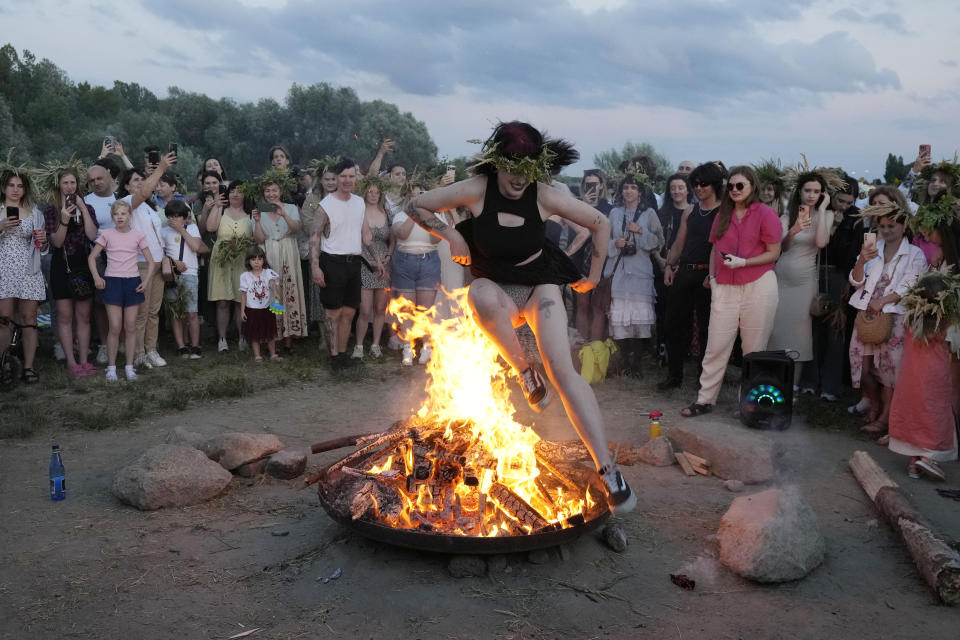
[627,455]
[937,561]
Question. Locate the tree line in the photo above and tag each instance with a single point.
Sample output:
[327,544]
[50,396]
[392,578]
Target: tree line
[44,117]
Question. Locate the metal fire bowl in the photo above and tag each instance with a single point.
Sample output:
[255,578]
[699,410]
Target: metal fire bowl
[329,488]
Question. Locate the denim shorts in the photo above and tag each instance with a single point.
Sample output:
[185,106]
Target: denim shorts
[122,292]
[415,272]
[192,285]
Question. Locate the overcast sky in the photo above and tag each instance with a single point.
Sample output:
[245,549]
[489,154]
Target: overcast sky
[843,82]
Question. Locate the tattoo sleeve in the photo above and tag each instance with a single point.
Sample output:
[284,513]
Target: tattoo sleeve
[429,222]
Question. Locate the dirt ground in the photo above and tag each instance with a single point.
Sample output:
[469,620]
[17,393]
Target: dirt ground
[90,567]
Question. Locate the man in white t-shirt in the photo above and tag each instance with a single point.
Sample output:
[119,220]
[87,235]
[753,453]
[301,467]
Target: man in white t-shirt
[340,223]
[181,241]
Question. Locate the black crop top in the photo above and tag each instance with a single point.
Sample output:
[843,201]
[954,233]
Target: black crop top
[512,244]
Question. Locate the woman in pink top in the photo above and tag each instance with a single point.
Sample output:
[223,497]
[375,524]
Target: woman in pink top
[122,287]
[744,295]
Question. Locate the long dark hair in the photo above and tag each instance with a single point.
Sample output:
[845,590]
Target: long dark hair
[26,202]
[629,179]
[793,207]
[57,195]
[668,212]
[727,205]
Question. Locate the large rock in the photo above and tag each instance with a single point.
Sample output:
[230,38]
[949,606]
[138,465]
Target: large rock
[734,452]
[771,536]
[182,435]
[170,475]
[232,450]
[287,464]
[657,452]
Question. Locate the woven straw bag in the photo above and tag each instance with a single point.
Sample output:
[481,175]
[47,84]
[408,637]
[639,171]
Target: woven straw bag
[873,328]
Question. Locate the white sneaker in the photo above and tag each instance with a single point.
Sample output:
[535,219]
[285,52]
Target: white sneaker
[425,353]
[102,357]
[357,352]
[112,374]
[829,397]
[394,343]
[376,351]
[622,499]
[154,359]
[141,361]
[407,359]
[241,344]
[131,374]
[860,408]
[58,351]
[222,345]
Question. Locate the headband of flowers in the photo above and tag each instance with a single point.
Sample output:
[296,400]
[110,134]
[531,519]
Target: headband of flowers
[933,303]
[931,216]
[951,169]
[886,210]
[769,171]
[832,176]
[253,189]
[533,168]
[47,177]
[318,167]
[363,185]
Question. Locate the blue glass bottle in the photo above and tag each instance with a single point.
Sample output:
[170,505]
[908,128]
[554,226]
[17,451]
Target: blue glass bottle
[58,483]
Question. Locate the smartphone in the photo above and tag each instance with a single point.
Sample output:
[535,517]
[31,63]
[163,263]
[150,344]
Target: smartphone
[266,207]
[869,240]
[222,189]
[153,157]
[72,199]
[172,148]
[925,150]
[804,212]
[13,212]
[109,141]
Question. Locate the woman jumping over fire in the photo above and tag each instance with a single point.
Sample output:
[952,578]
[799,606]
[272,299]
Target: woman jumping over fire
[518,274]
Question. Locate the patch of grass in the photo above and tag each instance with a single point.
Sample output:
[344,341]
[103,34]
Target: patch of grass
[17,421]
[89,419]
[227,386]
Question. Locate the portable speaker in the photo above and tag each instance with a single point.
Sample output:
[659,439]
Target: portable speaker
[766,390]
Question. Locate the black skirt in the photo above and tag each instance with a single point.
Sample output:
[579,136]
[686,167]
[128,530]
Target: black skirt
[59,287]
[260,326]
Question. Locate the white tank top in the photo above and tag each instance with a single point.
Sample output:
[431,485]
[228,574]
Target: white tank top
[346,225]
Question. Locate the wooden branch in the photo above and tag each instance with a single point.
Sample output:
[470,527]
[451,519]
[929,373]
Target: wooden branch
[937,561]
[684,463]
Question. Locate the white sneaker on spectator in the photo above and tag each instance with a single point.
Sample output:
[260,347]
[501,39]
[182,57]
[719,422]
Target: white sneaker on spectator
[829,397]
[860,408]
[131,374]
[425,353]
[222,345]
[407,359]
[357,352]
[376,351]
[241,344]
[155,360]
[141,361]
[102,357]
[58,353]
[112,374]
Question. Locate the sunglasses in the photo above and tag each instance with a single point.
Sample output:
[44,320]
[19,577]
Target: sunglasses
[701,185]
[737,186]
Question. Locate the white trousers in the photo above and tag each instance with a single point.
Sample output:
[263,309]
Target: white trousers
[750,308]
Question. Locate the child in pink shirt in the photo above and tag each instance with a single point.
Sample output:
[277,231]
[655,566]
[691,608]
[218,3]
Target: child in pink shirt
[122,287]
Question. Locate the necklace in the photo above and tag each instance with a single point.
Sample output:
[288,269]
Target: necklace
[705,212]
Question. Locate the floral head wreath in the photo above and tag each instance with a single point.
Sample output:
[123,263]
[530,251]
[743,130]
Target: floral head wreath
[770,172]
[932,215]
[47,177]
[253,189]
[933,303]
[533,168]
[832,176]
[638,176]
[20,170]
[886,210]
[416,178]
[318,167]
[951,169]
[364,184]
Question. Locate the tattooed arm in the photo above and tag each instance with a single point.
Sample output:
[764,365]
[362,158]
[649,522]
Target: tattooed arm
[553,202]
[321,226]
[468,193]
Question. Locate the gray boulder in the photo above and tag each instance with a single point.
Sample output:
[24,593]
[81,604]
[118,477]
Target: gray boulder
[287,464]
[232,450]
[771,536]
[169,475]
[734,452]
[182,435]
[657,452]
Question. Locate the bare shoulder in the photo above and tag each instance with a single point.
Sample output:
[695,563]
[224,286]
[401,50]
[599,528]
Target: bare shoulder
[466,193]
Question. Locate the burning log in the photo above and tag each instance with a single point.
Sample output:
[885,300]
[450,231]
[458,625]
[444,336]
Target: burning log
[518,507]
[627,455]
[546,464]
[937,561]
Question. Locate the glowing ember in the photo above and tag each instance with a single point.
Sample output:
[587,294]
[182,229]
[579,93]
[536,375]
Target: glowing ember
[464,466]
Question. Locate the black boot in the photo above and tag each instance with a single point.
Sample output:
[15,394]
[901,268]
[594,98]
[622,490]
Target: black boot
[636,357]
[622,366]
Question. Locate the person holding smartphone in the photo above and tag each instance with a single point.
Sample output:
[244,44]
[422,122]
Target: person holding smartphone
[746,243]
[71,225]
[806,230]
[23,237]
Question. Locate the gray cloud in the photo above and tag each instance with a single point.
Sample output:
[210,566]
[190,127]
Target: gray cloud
[888,19]
[698,55]
[949,63]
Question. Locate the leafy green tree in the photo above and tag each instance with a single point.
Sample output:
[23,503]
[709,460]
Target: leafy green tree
[895,170]
[609,160]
